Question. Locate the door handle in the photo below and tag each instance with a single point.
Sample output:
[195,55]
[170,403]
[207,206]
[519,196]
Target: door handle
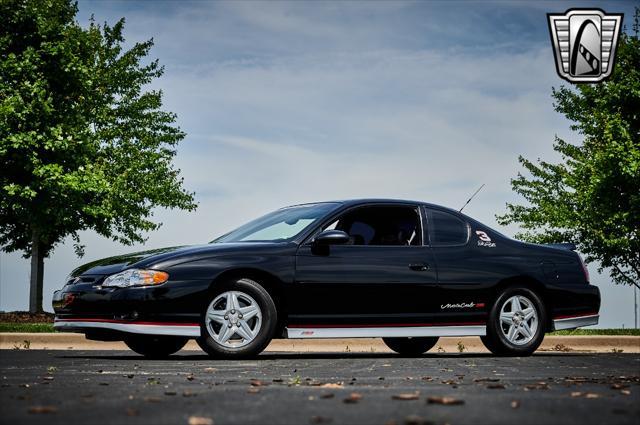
[419,267]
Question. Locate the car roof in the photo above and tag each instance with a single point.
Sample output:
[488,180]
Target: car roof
[364,201]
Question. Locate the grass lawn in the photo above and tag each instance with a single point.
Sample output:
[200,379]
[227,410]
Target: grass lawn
[633,332]
[26,327]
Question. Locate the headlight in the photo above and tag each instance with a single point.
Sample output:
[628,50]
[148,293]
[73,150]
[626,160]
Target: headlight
[136,277]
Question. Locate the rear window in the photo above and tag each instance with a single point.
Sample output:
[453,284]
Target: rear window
[447,229]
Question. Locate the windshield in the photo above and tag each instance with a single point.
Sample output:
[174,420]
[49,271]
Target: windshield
[279,226]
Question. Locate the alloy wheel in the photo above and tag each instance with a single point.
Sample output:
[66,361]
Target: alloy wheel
[233,319]
[519,320]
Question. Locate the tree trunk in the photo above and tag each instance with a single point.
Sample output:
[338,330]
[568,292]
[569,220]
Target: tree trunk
[37,274]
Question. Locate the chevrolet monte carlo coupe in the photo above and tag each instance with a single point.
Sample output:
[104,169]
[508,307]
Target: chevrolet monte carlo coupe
[407,272]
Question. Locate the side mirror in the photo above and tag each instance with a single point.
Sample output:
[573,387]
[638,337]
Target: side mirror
[331,237]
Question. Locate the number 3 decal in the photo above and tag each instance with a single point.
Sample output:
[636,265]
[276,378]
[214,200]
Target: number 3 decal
[483,236]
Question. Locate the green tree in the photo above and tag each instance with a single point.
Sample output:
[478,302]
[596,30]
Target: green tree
[592,198]
[82,144]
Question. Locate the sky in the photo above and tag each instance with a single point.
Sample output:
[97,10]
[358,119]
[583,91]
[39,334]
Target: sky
[290,102]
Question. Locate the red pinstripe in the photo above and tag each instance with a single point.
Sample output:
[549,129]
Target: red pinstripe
[386,325]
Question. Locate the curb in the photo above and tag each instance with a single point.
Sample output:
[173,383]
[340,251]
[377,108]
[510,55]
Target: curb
[593,344]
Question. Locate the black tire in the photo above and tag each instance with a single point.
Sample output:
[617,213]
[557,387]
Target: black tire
[497,342]
[411,346]
[269,320]
[155,347]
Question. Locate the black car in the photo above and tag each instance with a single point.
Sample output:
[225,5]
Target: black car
[408,272]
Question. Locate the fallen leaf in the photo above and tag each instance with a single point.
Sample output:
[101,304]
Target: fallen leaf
[190,377]
[486,380]
[496,386]
[210,369]
[43,409]
[618,386]
[537,386]
[406,396]
[320,420]
[353,398]
[332,385]
[200,420]
[515,404]
[591,395]
[258,383]
[253,390]
[425,378]
[625,392]
[444,400]
[416,420]
[577,394]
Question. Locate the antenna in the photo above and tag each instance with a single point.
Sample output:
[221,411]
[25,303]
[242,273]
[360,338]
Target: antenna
[474,194]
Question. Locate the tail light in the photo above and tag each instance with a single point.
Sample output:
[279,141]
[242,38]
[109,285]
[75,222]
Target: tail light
[584,269]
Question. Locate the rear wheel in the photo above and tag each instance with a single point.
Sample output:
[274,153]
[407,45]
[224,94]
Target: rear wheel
[411,346]
[239,321]
[516,323]
[156,347]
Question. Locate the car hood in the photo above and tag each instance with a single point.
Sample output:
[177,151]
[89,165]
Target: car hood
[115,264]
[152,257]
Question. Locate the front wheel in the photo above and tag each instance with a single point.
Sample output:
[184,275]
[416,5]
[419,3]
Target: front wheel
[411,346]
[155,347]
[239,321]
[516,323]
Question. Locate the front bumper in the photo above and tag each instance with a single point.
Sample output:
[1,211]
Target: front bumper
[103,327]
[173,308]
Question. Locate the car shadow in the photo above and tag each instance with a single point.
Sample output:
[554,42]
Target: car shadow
[275,355]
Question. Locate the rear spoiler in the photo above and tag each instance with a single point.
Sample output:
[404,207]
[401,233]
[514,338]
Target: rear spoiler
[567,246]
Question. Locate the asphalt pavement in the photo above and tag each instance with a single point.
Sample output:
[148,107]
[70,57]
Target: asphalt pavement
[116,387]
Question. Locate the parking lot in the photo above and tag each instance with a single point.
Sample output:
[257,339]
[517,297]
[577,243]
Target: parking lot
[42,386]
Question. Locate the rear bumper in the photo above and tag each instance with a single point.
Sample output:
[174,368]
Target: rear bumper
[573,306]
[577,321]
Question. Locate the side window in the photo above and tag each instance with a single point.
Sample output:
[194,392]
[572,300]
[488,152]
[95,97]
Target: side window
[381,226]
[447,229]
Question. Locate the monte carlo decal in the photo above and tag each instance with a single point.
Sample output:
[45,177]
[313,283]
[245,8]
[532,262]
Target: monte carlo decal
[405,271]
